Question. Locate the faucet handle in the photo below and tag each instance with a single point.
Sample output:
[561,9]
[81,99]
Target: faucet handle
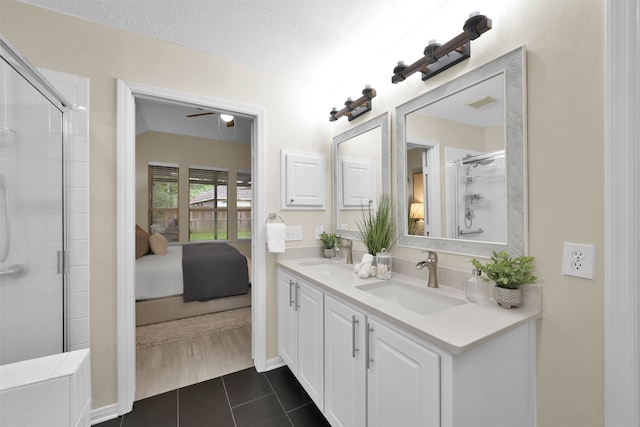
[431,255]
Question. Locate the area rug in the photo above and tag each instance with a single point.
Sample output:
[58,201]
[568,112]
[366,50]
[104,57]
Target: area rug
[176,330]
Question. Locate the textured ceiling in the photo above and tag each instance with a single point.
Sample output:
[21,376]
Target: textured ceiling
[304,39]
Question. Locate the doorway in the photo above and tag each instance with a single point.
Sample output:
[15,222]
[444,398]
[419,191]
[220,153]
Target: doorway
[193,175]
[128,92]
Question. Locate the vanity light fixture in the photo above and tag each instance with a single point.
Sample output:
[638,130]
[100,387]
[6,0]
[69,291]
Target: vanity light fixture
[355,108]
[438,58]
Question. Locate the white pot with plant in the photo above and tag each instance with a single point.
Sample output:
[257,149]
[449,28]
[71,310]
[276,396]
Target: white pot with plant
[329,242]
[377,230]
[508,274]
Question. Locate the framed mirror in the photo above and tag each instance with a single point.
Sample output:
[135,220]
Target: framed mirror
[461,163]
[361,172]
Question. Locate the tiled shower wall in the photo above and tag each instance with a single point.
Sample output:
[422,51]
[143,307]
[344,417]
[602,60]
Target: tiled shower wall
[76,90]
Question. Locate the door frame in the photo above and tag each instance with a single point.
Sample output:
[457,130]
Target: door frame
[622,201]
[126,346]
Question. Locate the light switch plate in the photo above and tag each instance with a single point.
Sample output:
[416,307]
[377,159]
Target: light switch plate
[293,232]
[578,260]
[319,231]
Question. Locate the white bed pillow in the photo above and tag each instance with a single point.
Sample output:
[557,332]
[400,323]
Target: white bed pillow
[158,244]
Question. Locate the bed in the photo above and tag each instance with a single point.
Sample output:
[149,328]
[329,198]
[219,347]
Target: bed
[210,277]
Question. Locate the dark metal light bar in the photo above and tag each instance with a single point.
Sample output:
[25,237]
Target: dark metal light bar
[438,58]
[355,108]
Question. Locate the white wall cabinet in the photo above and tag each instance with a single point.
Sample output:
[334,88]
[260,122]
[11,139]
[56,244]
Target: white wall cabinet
[303,181]
[376,374]
[356,183]
[300,333]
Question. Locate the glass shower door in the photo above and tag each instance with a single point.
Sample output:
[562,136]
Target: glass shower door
[31,221]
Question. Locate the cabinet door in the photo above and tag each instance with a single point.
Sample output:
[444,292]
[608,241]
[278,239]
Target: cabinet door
[304,180]
[287,320]
[344,355]
[310,342]
[403,380]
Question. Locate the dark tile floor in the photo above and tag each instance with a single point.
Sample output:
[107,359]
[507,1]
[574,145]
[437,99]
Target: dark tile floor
[244,398]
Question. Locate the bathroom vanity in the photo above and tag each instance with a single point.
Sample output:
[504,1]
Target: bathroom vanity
[380,353]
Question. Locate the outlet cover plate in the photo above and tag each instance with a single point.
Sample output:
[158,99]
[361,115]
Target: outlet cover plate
[578,260]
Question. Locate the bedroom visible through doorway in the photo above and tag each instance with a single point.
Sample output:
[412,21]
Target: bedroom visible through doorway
[193,173]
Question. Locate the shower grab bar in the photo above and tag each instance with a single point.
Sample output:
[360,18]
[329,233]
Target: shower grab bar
[478,231]
[14,270]
[6,227]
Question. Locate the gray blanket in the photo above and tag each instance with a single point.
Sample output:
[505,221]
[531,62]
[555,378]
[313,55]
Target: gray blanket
[213,270]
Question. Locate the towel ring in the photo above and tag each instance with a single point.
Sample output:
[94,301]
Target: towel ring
[273,217]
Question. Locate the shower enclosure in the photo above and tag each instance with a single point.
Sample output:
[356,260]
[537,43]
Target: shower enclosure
[32,212]
[478,195]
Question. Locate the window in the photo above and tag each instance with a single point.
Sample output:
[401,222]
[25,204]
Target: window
[243,204]
[208,203]
[163,200]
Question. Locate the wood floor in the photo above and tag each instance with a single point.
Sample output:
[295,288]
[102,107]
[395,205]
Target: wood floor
[178,364]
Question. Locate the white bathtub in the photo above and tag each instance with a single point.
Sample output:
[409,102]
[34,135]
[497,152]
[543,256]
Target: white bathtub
[48,391]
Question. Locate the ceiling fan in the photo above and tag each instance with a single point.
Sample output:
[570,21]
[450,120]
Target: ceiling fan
[227,118]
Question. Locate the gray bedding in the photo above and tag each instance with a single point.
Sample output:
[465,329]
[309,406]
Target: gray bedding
[213,270]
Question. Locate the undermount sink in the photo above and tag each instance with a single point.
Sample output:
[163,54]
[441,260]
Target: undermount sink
[418,300]
[324,267]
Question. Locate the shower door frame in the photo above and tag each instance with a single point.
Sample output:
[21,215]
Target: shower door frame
[31,74]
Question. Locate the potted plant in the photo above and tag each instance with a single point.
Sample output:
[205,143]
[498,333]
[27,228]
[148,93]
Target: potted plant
[377,227]
[508,274]
[329,242]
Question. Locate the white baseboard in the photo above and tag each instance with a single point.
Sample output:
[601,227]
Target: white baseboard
[103,414]
[274,363]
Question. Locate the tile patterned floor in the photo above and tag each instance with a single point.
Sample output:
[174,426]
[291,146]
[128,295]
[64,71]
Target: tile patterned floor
[244,398]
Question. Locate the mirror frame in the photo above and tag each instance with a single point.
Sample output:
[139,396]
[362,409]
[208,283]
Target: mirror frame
[381,121]
[513,66]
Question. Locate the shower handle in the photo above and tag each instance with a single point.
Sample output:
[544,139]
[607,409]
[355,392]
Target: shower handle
[5,225]
[14,270]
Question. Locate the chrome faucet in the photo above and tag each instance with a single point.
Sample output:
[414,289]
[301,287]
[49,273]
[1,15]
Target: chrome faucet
[348,247]
[432,265]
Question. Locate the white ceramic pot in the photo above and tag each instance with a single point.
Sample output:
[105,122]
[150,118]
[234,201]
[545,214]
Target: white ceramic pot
[507,298]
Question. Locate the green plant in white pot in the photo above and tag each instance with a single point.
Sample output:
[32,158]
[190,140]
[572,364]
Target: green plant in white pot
[377,227]
[508,274]
[329,242]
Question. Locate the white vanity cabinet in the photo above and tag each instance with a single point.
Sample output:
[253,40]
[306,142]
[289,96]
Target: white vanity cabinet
[300,333]
[403,379]
[378,373]
[345,364]
[399,383]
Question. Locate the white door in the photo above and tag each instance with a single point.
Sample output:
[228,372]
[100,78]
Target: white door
[403,380]
[287,320]
[310,341]
[345,375]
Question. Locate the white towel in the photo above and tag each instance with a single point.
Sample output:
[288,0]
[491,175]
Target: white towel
[275,237]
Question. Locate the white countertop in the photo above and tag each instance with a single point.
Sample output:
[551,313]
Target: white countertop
[456,329]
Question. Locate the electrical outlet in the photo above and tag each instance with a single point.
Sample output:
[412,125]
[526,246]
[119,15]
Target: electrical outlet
[578,260]
[319,231]
[293,232]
